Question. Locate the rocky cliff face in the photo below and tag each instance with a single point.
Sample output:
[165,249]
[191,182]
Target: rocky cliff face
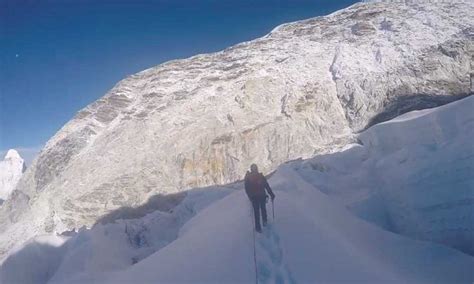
[203,120]
[11,169]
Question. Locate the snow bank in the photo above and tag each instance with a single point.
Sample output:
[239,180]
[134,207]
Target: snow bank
[35,261]
[214,247]
[412,175]
[323,242]
[312,240]
[88,255]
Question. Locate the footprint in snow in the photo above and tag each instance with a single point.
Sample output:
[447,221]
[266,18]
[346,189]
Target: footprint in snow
[271,267]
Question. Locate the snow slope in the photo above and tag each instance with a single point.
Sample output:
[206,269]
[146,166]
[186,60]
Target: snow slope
[313,240]
[11,170]
[337,219]
[104,248]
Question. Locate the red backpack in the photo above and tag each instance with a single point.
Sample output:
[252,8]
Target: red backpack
[254,184]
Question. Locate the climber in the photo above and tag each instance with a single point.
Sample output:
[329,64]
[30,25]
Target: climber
[255,185]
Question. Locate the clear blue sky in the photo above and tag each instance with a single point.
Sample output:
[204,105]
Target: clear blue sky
[58,56]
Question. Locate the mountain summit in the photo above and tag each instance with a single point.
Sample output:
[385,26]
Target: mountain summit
[11,169]
[299,90]
[12,154]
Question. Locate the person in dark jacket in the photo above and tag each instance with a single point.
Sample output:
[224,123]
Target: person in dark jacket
[255,186]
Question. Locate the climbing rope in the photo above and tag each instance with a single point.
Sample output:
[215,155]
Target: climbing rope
[273,211]
[254,250]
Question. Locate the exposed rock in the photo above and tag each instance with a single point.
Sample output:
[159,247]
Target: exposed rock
[363,28]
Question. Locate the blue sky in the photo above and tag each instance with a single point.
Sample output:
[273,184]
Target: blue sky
[58,56]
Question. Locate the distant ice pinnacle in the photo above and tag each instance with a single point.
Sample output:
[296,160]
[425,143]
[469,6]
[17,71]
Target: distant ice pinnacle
[12,154]
[11,170]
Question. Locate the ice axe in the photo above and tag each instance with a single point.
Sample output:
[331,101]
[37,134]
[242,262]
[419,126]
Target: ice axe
[273,211]
[273,207]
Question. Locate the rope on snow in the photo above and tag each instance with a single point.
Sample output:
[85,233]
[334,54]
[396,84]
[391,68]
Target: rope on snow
[254,250]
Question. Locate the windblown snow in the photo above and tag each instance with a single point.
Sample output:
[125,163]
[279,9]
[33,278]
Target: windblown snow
[11,170]
[396,207]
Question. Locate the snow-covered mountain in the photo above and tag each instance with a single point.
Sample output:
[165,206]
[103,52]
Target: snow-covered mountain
[302,89]
[335,218]
[11,170]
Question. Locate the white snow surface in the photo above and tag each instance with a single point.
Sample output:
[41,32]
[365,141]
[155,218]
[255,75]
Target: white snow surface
[413,175]
[11,170]
[389,210]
